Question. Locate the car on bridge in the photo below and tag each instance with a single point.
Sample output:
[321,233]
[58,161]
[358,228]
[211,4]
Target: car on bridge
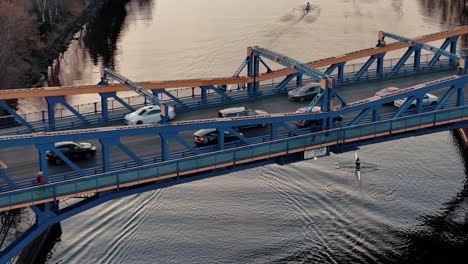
[305,92]
[428,100]
[311,123]
[241,112]
[71,150]
[385,91]
[206,137]
[147,115]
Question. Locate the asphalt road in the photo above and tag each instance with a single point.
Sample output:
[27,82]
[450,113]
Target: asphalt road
[23,162]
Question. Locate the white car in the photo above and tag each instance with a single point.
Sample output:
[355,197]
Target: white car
[428,99]
[147,115]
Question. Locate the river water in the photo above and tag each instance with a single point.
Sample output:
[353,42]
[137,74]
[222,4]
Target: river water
[409,207]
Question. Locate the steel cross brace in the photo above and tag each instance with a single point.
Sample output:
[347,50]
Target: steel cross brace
[115,141]
[105,103]
[52,101]
[156,92]
[5,106]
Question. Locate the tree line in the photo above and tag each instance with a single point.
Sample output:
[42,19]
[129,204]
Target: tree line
[27,28]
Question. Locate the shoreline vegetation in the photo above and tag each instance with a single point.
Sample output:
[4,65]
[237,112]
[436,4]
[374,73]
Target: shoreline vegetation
[33,33]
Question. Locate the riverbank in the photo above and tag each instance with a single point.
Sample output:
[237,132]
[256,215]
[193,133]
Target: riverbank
[56,41]
[59,38]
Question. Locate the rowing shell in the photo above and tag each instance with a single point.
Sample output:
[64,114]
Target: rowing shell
[358,172]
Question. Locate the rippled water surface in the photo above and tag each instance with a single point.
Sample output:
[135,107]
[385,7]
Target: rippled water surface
[409,206]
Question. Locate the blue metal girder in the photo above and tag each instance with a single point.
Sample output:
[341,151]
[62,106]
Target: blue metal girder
[115,141]
[290,63]
[256,84]
[139,90]
[343,102]
[186,144]
[340,67]
[5,106]
[436,56]
[106,158]
[420,45]
[460,95]
[66,160]
[445,97]
[215,89]
[221,138]
[404,107]
[42,148]
[241,67]
[239,135]
[105,104]
[164,145]
[299,79]
[264,64]
[156,92]
[250,72]
[405,57]
[281,87]
[52,101]
[129,153]
[366,65]
[315,101]
[360,116]
[289,128]
[7,179]
[274,130]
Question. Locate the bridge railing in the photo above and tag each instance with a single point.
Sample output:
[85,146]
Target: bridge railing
[229,157]
[188,94]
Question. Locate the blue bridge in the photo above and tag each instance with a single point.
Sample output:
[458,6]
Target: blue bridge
[365,121]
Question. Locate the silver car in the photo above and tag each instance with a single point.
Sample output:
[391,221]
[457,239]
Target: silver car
[428,99]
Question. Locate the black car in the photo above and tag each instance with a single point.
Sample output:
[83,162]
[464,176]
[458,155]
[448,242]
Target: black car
[311,123]
[71,150]
[205,137]
[306,92]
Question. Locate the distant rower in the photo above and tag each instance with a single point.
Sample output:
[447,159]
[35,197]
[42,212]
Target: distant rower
[358,164]
[307,7]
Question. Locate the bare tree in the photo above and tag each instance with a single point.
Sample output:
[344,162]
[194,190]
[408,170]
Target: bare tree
[18,37]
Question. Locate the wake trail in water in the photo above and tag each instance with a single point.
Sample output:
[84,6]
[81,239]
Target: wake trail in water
[286,23]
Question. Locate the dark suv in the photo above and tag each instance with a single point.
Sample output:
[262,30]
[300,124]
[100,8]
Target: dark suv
[71,150]
[205,137]
[240,112]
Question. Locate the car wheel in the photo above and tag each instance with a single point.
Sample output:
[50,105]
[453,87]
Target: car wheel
[412,106]
[433,103]
[301,99]
[139,122]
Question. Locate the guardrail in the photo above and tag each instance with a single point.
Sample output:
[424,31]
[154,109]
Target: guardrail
[199,163]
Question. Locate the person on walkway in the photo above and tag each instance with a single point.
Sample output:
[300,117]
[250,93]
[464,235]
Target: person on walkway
[307,6]
[358,164]
[40,178]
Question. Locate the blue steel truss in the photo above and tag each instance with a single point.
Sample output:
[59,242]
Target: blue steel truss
[138,89]
[437,51]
